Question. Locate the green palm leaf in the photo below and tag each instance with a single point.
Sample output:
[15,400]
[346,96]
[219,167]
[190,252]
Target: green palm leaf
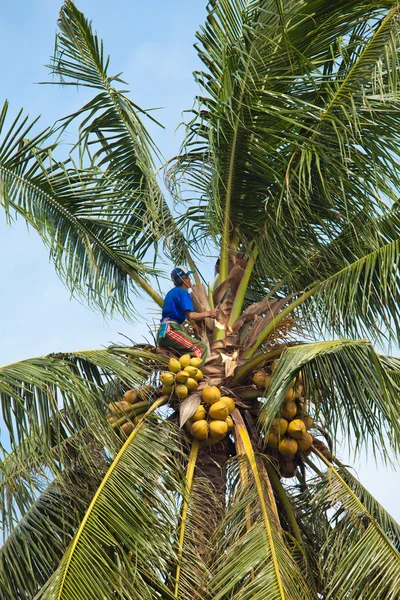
[125,542]
[251,559]
[351,388]
[47,520]
[360,559]
[42,396]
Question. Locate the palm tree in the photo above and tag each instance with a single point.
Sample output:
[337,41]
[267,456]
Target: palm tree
[288,170]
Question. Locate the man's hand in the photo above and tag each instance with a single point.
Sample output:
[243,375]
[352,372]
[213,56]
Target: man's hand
[212,313]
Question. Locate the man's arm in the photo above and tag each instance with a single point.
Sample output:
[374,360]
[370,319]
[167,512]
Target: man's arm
[195,316]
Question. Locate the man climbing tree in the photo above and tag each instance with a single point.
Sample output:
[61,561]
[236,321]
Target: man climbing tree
[178,307]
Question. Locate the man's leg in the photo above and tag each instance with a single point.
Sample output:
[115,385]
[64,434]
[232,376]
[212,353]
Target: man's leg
[177,339]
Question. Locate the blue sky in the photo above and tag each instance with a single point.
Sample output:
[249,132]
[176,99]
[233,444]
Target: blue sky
[152,44]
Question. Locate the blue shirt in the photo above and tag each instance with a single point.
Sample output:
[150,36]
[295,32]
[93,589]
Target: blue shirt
[176,302]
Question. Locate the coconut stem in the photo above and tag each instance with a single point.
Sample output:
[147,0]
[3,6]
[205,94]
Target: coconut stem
[242,372]
[137,409]
[241,292]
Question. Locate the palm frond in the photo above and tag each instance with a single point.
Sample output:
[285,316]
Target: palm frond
[359,558]
[125,543]
[283,120]
[44,398]
[112,134]
[351,388]
[253,561]
[35,546]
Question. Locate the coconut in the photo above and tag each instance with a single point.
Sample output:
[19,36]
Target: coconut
[188,424]
[131,396]
[218,429]
[200,414]
[192,371]
[174,365]
[184,360]
[195,362]
[287,446]
[112,420]
[289,396]
[199,429]
[219,410]
[288,410]
[210,394]
[181,391]
[182,376]
[230,423]
[127,428]
[261,379]
[272,440]
[167,390]
[230,403]
[120,407]
[199,375]
[279,426]
[296,429]
[307,420]
[192,384]
[305,441]
[168,378]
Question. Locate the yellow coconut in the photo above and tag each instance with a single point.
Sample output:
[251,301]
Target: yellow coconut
[288,410]
[279,426]
[199,429]
[230,403]
[219,410]
[188,424]
[218,429]
[181,391]
[305,441]
[195,362]
[296,429]
[289,396]
[200,414]
[174,365]
[191,384]
[182,376]
[184,360]
[127,428]
[192,371]
[308,420]
[199,375]
[167,389]
[131,396]
[261,379]
[272,440]
[288,446]
[230,423]
[210,394]
[168,378]
[112,420]
[120,407]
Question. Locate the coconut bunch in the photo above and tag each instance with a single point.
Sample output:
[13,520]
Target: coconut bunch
[183,376]
[289,436]
[212,421]
[125,413]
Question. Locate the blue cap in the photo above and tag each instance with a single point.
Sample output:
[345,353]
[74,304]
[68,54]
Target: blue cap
[179,273]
